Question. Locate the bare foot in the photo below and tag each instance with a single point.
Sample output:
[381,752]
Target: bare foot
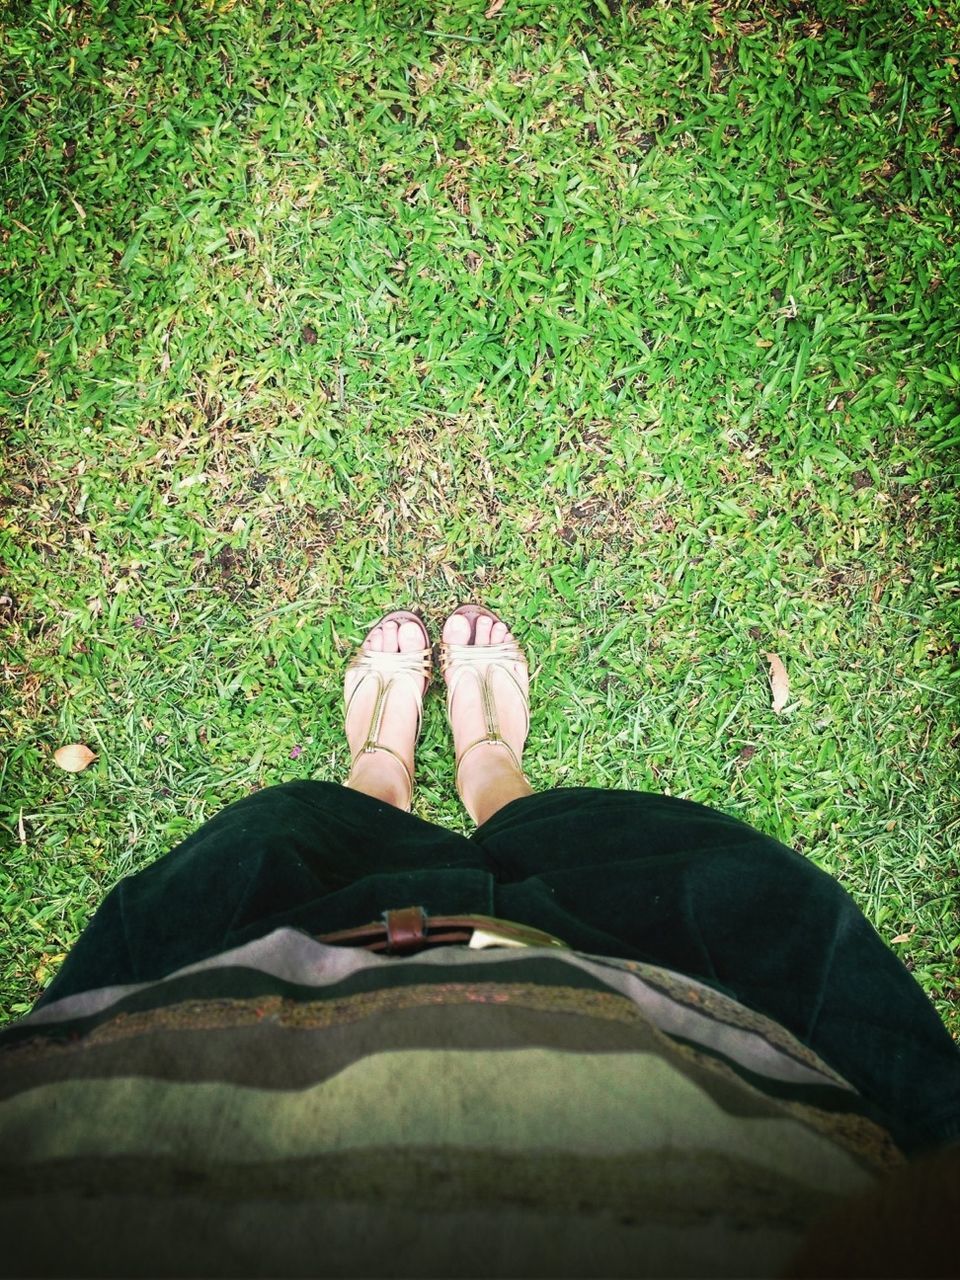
[488,777]
[378,773]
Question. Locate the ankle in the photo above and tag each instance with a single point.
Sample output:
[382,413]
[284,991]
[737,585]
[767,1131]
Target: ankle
[489,783]
[382,777]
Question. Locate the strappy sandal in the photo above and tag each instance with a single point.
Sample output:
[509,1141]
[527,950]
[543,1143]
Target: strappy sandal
[385,668]
[459,659]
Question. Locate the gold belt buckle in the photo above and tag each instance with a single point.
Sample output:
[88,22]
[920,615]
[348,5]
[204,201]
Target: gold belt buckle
[481,938]
[504,933]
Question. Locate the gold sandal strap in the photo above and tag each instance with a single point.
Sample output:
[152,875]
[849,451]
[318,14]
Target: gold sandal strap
[380,702]
[473,653]
[470,657]
[366,749]
[486,695]
[415,661]
[387,667]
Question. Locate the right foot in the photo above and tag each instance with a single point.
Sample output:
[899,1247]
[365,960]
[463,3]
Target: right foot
[488,766]
[379,773]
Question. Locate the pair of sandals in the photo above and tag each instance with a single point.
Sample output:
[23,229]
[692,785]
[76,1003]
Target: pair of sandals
[416,665]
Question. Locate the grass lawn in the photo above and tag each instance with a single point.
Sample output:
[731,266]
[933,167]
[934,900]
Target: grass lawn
[639,324]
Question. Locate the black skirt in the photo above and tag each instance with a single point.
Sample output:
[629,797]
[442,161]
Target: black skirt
[612,873]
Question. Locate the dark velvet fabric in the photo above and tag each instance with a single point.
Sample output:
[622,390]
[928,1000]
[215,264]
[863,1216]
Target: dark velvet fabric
[612,873]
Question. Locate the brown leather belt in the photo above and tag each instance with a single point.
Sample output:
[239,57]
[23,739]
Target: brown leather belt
[407,930]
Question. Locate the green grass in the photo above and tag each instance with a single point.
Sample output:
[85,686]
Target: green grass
[638,323]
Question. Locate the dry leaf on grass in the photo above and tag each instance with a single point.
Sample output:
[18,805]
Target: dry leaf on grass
[74,758]
[495,8]
[779,683]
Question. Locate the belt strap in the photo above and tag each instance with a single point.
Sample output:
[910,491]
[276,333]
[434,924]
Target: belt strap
[406,930]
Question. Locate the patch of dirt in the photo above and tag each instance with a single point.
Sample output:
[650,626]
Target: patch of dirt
[664,523]
[590,439]
[318,530]
[23,687]
[632,141]
[847,583]
[721,70]
[594,517]
[745,446]
[231,571]
[909,504]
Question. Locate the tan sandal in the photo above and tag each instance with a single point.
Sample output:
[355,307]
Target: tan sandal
[385,668]
[459,659]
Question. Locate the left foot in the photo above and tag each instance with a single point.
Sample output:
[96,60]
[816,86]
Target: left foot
[490,765]
[377,772]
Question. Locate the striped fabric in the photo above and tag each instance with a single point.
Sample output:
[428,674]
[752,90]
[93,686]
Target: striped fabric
[291,1108]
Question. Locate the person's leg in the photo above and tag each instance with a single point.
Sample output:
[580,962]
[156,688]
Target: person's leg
[689,889]
[686,888]
[381,778]
[490,783]
[305,854]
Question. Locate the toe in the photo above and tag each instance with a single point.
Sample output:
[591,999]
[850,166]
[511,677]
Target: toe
[390,632]
[375,640]
[456,629]
[483,629]
[410,637]
[499,633]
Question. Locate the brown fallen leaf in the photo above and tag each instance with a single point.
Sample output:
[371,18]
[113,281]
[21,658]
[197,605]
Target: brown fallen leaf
[495,8]
[779,682]
[903,937]
[74,758]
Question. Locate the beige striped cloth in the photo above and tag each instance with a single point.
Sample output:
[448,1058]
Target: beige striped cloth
[292,1108]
